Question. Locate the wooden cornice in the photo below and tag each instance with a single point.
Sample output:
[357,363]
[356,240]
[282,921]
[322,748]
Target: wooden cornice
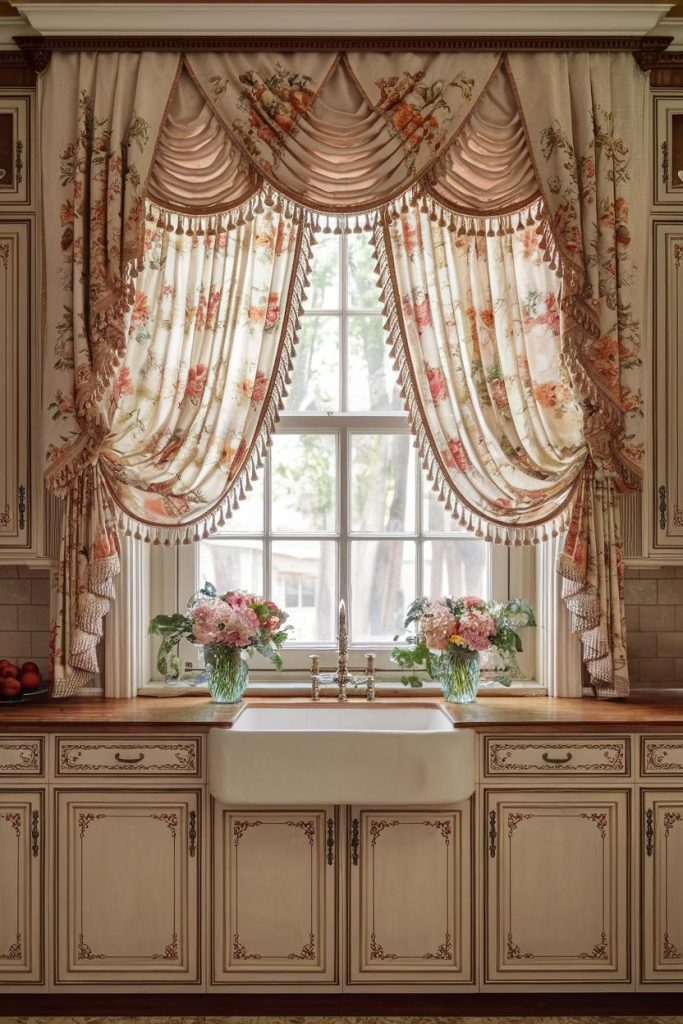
[16,69]
[667,72]
[647,50]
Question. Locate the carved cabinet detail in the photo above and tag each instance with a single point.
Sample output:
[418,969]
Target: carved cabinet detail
[21,887]
[274,903]
[22,756]
[662,880]
[557,885]
[15,405]
[410,896]
[127,888]
[15,155]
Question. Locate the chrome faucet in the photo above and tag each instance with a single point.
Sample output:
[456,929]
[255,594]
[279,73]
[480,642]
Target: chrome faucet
[342,677]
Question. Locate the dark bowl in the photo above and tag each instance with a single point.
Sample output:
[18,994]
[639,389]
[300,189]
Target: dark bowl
[28,698]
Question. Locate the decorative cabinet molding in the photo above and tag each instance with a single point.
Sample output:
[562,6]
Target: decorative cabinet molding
[127,901]
[520,757]
[661,756]
[119,756]
[21,887]
[15,149]
[16,280]
[667,446]
[22,756]
[662,878]
[668,150]
[557,887]
[274,896]
[425,935]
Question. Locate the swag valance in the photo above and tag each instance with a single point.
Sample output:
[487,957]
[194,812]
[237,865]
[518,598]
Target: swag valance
[181,198]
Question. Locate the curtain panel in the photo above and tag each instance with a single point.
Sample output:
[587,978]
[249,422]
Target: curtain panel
[501,193]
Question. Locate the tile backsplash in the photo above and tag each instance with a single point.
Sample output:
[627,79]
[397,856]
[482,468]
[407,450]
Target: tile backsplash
[24,614]
[654,627]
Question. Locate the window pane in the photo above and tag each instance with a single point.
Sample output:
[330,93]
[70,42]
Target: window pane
[435,518]
[324,286]
[363,289]
[232,564]
[382,483]
[456,568]
[312,566]
[248,518]
[372,383]
[304,483]
[382,586]
[315,378]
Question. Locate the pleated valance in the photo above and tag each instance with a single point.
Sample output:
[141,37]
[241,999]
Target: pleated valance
[182,194]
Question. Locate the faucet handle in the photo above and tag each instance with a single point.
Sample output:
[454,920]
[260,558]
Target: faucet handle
[315,678]
[370,676]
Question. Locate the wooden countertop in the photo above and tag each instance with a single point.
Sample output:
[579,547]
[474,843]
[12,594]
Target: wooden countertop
[493,713]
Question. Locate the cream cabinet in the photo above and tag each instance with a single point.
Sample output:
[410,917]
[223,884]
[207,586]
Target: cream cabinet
[410,896]
[662,886]
[22,845]
[274,900]
[16,303]
[15,150]
[127,881]
[557,887]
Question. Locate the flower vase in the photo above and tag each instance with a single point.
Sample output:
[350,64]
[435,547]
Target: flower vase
[459,676]
[227,673]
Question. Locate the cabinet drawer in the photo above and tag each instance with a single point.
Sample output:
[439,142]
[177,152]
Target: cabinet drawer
[22,756]
[661,755]
[117,756]
[525,757]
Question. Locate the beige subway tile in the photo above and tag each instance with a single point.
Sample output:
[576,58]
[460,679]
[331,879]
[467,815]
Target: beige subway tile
[8,572]
[9,618]
[656,670]
[14,644]
[642,645]
[679,572]
[633,669]
[15,592]
[662,572]
[40,643]
[670,645]
[679,616]
[632,614]
[657,618]
[641,592]
[40,591]
[678,669]
[670,591]
[31,572]
[631,574]
[35,616]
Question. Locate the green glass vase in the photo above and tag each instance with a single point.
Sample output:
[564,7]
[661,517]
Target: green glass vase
[459,676]
[227,673]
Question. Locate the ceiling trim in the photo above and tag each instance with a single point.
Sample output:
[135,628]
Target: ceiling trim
[343,19]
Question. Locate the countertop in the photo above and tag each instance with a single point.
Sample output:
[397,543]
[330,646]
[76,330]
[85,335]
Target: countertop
[500,713]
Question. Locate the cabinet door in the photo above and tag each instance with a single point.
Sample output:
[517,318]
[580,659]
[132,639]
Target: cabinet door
[21,887]
[274,878]
[15,168]
[668,386]
[662,886]
[127,879]
[15,401]
[410,896]
[557,886]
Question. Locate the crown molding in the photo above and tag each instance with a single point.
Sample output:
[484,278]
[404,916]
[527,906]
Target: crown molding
[343,19]
[13,26]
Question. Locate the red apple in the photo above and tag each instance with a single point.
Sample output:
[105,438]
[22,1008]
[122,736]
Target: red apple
[29,666]
[11,670]
[9,687]
[3,663]
[30,680]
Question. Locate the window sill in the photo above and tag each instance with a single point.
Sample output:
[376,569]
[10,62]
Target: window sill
[275,688]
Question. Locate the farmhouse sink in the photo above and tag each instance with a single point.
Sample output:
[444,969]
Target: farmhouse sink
[341,754]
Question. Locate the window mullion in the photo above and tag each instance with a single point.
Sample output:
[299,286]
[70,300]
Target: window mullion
[267,531]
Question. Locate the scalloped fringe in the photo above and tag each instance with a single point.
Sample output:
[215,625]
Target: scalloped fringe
[474,522]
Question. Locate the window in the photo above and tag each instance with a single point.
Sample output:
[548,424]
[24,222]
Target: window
[342,508]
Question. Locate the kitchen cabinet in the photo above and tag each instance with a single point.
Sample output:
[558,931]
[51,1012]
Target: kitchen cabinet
[661,852]
[410,896]
[557,887]
[127,888]
[274,902]
[15,149]
[668,149]
[22,846]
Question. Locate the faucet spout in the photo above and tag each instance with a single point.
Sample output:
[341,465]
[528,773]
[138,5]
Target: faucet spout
[342,678]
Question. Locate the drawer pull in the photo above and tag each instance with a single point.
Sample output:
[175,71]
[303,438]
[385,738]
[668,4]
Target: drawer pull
[128,760]
[557,760]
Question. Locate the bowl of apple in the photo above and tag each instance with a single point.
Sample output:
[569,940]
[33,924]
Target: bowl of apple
[21,683]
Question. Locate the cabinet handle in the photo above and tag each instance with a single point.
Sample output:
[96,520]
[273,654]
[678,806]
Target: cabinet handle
[662,508]
[35,832]
[21,507]
[649,831]
[330,841]
[18,161]
[355,841]
[493,833]
[557,760]
[128,760]
[192,833]
[665,162]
